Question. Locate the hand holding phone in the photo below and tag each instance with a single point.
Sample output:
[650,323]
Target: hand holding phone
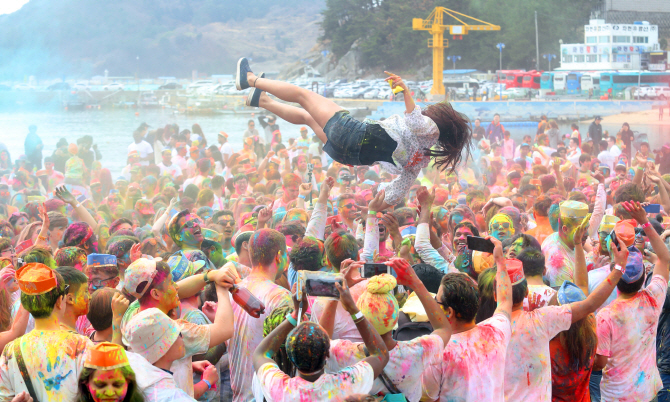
[652,208]
[480,244]
[374,269]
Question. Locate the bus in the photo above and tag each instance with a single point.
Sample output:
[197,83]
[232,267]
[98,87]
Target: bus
[514,79]
[590,81]
[617,82]
[502,75]
[546,82]
[559,82]
[532,79]
[572,83]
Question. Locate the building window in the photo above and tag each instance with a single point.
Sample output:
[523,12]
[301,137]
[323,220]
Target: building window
[604,58]
[620,39]
[591,58]
[623,58]
[567,58]
[604,39]
[591,39]
[579,58]
[640,39]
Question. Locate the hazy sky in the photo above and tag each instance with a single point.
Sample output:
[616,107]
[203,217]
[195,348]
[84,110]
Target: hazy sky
[9,6]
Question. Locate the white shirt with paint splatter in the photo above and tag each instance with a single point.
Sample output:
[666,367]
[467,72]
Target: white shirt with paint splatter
[344,326]
[560,260]
[248,333]
[538,296]
[528,362]
[627,335]
[407,360]
[472,367]
[279,387]
[414,133]
[54,360]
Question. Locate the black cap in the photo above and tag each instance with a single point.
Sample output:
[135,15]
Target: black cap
[144,125]
[597,118]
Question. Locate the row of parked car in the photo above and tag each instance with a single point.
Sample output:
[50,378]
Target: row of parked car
[647,92]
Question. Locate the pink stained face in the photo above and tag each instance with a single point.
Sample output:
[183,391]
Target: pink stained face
[108,386]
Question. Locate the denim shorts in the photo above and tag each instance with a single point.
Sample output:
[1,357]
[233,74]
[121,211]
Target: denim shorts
[355,143]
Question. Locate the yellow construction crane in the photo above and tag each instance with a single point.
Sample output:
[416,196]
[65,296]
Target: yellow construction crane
[434,24]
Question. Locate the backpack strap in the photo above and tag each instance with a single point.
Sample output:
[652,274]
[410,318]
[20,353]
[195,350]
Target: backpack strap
[23,369]
[384,378]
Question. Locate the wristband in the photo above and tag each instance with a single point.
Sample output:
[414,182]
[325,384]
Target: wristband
[640,167]
[371,212]
[206,277]
[78,205]
[291,320]
[619,268]
[646,225]
[302,196]
[357,316]
[209,384]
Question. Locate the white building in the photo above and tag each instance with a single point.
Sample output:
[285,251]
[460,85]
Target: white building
[610,46]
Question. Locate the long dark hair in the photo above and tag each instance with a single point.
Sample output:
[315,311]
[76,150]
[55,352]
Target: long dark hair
[454,141]
[132,395]
[580,343]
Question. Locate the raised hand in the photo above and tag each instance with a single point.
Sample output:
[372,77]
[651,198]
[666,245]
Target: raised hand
[636,211]
[425,197]
[64,195]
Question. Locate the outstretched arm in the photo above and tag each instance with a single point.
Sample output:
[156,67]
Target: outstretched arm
[503,283]
[82,213]
[396,81]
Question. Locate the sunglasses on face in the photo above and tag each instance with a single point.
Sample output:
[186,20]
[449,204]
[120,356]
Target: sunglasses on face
[498,226]
[227,223]
[100,283]
[190,224]
[349,206]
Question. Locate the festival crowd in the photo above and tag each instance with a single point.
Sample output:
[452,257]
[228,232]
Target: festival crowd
[532,272]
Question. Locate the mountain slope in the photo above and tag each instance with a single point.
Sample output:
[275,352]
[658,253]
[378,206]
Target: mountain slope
[81,38]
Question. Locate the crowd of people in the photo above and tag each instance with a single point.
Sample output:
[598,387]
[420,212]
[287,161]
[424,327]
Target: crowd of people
[530,272]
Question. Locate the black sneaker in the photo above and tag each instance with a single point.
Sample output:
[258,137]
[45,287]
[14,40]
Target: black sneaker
[242,70]
[255,95]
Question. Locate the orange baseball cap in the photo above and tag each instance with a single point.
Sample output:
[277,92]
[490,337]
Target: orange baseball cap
[514,270]
[106,356]
[625,231]
[36,279]
[223,134]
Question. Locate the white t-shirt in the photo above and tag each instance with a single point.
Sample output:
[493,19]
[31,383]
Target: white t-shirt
[173,170]
[344,327]
[54,360]
[143,148]
[226,149]
[155,384]
[248,333]
[472,367]
[596,277]
[406,362]
[279,387]
[538,296]
[627,335]
[528,362]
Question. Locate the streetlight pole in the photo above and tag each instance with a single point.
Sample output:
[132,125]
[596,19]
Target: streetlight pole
[453,59]
[500,47]
[549,57]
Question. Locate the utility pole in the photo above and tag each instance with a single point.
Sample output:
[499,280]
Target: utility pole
[537,46]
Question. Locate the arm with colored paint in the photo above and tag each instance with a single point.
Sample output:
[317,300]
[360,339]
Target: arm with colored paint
[371,242]
[191,286]
[581,275]
[662,190]
[422,242]
[160,222]
[304,191]
[119,306]
[316,227]
[598,211]
[64,195]
[42,240]
[639,171]
[640,215]
[222,328]
[18,327]
[408,278]
[596,299]
[559,176]
[379,354]
[503,283]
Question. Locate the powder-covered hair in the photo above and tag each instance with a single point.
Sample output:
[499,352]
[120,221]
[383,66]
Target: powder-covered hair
[340,246]
[308,347]
[454,142]
[264,245]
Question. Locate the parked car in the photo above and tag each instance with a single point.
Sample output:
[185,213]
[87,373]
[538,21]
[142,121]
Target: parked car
[371,93]
[81,86]
[644,92]
[24,87]
[114,86]
[170,85]
[662,92]
[200,84]
[59,86]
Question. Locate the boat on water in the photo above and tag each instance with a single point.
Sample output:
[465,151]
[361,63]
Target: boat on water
[148,100]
